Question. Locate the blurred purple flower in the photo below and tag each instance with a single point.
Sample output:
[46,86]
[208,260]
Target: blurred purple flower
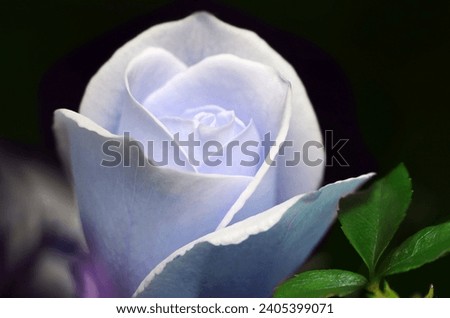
[40,233]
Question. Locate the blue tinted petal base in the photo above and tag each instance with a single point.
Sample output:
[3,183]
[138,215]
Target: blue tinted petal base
[250,258]
[134,216]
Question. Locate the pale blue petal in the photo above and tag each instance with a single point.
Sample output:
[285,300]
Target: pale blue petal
[157,142]
[181,126]
[150,70]
[233,159]
[265,182]
[252,90]
[250,258]
[134,217]
[262,198]
[146,73]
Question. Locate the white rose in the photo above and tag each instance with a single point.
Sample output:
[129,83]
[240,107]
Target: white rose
[198,230]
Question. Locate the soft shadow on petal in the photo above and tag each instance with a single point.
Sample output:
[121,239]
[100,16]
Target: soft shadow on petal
[146,73]
[135,216]
[264,185]
[150,70]
[157,142]
[250,258]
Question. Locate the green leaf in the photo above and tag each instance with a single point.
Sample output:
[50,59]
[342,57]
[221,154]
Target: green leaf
[321,283]
[370,218]
[423,247]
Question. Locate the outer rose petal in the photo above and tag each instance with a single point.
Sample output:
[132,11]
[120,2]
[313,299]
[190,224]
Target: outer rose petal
[249,258]
[126,210]
[191,40]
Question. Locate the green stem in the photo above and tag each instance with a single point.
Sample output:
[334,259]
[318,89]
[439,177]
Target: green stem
[376,292]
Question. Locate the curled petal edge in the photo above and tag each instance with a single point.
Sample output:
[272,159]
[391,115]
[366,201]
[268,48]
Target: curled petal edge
[281,232]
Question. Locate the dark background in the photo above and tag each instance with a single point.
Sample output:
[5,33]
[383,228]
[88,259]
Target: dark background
[385,64]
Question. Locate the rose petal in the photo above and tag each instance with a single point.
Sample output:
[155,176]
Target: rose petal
[217,140]
[126,210]
[145,74]
[250,89]
[249,258]
[157,142]
[232,158]
[211,122]
[260,196]
[263,185]
[150,70]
